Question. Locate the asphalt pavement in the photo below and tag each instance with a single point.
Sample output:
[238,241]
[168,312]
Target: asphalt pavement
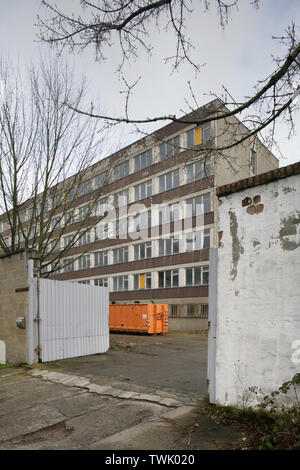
[145,393]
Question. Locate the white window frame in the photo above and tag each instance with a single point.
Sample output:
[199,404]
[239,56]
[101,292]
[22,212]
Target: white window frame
[138,160]
[84,262]
[119,283]
[163,180]
[174,273]
[143,190]
[146,247]
[196,240]
[203,273]
[100,255]
[173,241]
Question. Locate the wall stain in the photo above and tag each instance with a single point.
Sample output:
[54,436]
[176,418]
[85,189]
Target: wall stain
[289,228]
[237,248]
[288,189]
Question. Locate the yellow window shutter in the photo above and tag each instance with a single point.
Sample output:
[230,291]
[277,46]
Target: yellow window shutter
[142,281]
[198,136]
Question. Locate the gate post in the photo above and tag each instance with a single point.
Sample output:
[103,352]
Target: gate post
[212,325]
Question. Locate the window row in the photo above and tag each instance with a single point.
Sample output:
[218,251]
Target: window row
[172,245]
[121,228]
[171,180]
[167,149]
[185,277]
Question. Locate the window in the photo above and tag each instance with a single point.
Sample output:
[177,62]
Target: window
[173,310]
[85,238]
[191,310]
[68,240]
[142,221]
[22,216]
[142,251]
[69,218]
[168,278]
[198,240]
[7,241]
[83,212]
[121,198]
[169,149]
[84,262]
[143,160]
[170,213]
[43,206]
[169,181]
[84,188]
[122,228]
[68,265]
[87,281]
[197,276]
[100,180]
[101,207]
[55,201]
[4,226]
[142,281]
[70,194]
[121,170]
[168,246]
[198,170]
[120,255]
[101,232]
[120,283]
[206,134]
[190,138]
[198,205]
[103,282]
[199,135]
[143,190]
[101,258]
[55,222]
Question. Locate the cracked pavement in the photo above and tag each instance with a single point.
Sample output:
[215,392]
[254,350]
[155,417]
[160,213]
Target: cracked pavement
[131,398]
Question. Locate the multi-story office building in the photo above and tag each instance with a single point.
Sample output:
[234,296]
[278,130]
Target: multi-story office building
[156,215]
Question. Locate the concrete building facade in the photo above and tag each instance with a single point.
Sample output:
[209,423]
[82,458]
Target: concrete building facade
[156,214]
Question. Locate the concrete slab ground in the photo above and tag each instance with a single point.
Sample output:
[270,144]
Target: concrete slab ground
[101,402]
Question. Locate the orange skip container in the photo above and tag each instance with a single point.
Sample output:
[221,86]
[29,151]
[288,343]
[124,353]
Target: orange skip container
[140,318]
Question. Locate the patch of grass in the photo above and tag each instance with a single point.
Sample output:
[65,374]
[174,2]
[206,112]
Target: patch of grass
[264,430]
[271,425]
[8,365]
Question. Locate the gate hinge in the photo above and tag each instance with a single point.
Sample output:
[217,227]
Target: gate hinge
[37,320]
[38,349]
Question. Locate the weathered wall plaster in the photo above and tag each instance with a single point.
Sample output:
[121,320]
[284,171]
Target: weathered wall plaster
[258,291]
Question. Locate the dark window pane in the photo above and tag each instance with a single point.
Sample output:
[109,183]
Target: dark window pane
[175,245]
[197,276]
[168,279]
[175,279]
[189,276]
[161,279]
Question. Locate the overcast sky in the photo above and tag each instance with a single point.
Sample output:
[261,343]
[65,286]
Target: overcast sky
[235,57]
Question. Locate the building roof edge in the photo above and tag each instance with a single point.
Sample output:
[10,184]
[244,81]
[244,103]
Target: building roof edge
[257,180]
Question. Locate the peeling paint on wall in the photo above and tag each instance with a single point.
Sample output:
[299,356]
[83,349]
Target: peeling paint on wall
[237,248]
[288,189]
[288,229]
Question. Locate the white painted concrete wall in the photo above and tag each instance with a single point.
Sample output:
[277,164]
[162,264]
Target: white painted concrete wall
[258,292]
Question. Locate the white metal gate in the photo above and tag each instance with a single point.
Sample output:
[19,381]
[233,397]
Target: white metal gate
[67,320]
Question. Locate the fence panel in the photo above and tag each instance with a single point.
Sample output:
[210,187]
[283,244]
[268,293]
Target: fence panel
[74,319]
